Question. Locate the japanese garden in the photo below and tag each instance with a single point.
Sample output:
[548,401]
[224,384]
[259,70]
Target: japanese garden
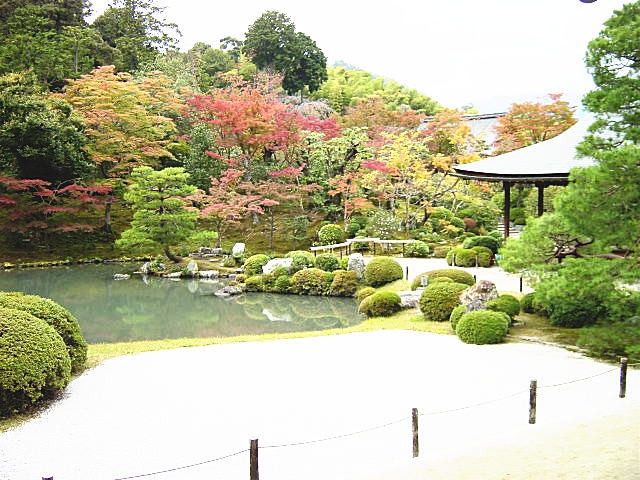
[249,200]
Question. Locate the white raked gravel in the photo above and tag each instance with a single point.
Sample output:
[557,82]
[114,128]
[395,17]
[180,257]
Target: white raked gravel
[147,412]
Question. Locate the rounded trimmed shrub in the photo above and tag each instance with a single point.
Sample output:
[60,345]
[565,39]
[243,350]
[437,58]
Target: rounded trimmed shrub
[311,259]
[482,241]
[458,276]
[253,265]
[382,270]
[505,303]
[417,249]
[380,304]
[484,256]
[327,262]
[311,281]
[441,251]
[300,262]
[526,303]
[62,321]
[282,284]
[344,284]
[254,283]
[464,257]
[456,315]
[364,293]
[482,327]
[34,362]
[330,234]
[438,300]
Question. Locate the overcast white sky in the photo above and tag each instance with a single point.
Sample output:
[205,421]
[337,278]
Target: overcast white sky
[487,53]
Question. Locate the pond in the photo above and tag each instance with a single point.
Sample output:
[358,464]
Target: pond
[152,308]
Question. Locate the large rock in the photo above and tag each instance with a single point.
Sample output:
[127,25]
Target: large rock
[410,298]
[121,276]
[145,268]
[192,267]
[238,249]
[208,273]
[228,291]
[277,263]
[356,264]
[172,275]
[477,296]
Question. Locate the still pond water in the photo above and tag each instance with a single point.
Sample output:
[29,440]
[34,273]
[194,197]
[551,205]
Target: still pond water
[150,308]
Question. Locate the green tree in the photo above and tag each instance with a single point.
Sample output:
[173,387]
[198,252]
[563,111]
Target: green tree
[40,136]
[62,13]
[136,28]
[273,44]
[160,219]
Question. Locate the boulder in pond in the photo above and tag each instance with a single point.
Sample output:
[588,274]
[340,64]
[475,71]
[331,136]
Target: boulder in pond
[172,275]
[277,263]
[121,276]
[356,264]
[192,267]
[208,273]
[477,296]
[228,291]
[145,269]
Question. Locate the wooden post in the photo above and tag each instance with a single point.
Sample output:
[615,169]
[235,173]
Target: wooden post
[253,460]
[406,272]
[533,391]
[520,283]
[623,377]
[414,430]
[540,199]
[507,207]
[403,249]
[47,478]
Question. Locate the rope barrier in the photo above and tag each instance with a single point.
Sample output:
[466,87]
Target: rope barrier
[475,404]
[185,466]
[335,437]
[579,379]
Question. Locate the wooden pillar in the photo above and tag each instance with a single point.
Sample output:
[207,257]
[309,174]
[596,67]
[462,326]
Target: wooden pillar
[540,199]
[507,207]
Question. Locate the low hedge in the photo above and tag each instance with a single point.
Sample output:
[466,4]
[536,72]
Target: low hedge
[253,265]
[380,304]
[441,252]
[458,276]
[34,361]
[311,281]
[344,284]
[506,304]
[438,300]
[62,321]
[482,327]
[382,270]
[327,262]
[254,283]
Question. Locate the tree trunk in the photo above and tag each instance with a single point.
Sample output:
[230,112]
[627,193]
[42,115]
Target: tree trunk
[170,255]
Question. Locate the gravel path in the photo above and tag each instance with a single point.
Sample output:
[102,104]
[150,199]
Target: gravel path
[157,410]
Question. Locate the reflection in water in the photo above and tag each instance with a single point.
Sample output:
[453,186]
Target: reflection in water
[148,308]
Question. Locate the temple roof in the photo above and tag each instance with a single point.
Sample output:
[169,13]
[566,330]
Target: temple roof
[549,161]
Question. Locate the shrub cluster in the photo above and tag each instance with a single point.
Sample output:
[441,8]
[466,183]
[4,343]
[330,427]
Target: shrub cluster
[417,249]
[34,361]
[344,284]
[311,281]
[380,304]
[438,300]
[526,303]
[482,327]
[482,241]
[506,304]
[253,265]
[364,293]
[65,324]
[441,251]
[458,276]
[382,270]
